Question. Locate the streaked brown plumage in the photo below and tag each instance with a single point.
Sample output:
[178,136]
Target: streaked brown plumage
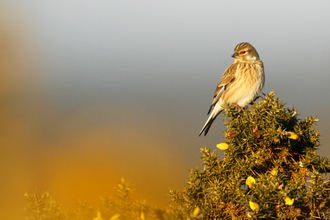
[240,84]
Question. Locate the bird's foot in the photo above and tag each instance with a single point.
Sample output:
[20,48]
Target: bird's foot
[236,106]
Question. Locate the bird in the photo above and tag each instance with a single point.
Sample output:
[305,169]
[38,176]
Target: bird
[240,84]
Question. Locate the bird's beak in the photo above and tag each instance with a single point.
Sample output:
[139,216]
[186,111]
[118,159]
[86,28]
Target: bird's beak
[234,55]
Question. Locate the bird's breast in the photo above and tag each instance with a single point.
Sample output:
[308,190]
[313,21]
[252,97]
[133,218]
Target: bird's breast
[248,83]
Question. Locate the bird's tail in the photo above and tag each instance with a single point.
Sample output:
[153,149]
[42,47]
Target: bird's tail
[208,123]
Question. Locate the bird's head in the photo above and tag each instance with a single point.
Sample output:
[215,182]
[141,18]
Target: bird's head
[245,52]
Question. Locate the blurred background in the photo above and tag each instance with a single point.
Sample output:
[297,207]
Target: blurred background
[92,91]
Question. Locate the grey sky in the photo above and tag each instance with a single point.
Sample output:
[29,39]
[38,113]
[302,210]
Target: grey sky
[176,51]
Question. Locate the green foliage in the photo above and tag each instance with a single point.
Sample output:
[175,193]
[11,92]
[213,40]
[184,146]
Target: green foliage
[271,144]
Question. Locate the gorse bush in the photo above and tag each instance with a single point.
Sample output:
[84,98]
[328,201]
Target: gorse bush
[270,171]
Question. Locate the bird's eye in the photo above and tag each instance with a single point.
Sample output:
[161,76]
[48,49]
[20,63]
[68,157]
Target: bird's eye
[243,52]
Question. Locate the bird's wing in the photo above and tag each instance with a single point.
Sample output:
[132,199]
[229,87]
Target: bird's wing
[226,78]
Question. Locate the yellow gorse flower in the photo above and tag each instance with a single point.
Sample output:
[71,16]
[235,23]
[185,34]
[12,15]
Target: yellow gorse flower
[250,181]
[254,206]
[222,146]
[196,211]
[292,135]
[274,172]
[289,201]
